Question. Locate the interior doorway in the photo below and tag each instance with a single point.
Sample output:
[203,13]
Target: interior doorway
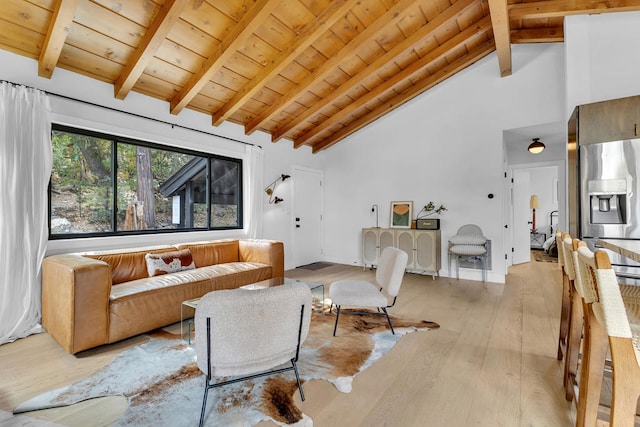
[307,215]
[542,181]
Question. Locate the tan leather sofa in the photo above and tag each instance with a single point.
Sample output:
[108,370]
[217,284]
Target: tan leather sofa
[95,298]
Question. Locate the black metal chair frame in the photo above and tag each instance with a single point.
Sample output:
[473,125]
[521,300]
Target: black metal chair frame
[208,385]
[384,312]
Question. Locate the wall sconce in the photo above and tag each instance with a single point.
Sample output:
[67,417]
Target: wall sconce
[536,147]
[269,189]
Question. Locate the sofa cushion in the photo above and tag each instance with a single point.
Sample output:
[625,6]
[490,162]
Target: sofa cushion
[213,252]
[169,262]
[128,264]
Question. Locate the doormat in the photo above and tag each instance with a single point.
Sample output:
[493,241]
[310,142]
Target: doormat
[543,256]
[316,265]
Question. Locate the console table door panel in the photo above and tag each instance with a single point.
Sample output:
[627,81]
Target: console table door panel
[404,242]
[370,246]
[428,250]
[387,238]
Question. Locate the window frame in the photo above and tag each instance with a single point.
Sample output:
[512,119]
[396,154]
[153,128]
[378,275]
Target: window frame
[115,140]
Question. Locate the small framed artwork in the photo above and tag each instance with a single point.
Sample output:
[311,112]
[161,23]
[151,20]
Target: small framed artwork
[401,214]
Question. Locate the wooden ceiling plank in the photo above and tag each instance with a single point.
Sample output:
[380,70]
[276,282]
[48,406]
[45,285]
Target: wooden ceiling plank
[460,64]
[56,36]
[501,34]
[155,35]
[556,8]
[309,34]
[442,19]
[538,35]
[469,34]
[232,42]
[391,17]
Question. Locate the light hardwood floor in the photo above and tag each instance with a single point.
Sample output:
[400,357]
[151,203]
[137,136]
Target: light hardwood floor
[491,363]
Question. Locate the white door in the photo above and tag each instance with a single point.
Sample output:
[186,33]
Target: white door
[520,205]
[307,215]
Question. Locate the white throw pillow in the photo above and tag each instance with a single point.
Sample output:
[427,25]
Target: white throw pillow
[169,262]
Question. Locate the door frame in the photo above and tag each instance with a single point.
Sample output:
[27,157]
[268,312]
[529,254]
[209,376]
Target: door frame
[562,193]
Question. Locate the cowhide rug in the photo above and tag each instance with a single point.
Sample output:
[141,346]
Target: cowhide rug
[164,386]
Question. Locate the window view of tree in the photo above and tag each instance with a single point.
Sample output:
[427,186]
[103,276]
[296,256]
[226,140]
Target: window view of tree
[157,189]
[81,184]
[224,193]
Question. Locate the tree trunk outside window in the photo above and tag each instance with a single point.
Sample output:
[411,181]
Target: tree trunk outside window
[145,185]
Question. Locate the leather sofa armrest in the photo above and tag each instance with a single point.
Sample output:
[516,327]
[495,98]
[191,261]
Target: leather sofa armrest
[75,301]
[268,252]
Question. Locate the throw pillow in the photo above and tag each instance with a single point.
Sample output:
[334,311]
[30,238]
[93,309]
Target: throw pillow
[169,262]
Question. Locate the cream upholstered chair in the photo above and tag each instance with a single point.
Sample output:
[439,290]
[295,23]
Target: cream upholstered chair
[469,242]
[357,293]
[250,333]
[609,323]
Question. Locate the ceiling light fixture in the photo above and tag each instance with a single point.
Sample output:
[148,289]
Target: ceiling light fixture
[536,147]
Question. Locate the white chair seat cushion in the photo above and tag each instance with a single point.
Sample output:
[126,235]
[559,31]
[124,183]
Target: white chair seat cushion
[468,250]
[468,240]
[356,293]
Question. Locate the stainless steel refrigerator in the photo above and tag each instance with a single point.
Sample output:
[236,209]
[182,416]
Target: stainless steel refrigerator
[608,190]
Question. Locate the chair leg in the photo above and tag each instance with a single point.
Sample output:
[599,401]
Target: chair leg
[484,268]
[592,371]
[204,402]
[457,266]
[449,262]
[337,317]
[564,316]
[572,350]
[626,382]
[295,369]
[388,320]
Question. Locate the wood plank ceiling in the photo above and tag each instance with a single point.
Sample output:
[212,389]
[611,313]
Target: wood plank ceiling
[309,71]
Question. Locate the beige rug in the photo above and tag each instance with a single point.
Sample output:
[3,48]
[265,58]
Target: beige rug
[164,387]
[542,256]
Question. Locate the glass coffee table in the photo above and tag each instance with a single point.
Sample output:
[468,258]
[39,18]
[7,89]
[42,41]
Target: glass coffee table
[188,308]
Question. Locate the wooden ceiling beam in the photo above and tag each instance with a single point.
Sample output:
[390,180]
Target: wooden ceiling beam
[559,8]
[160,26]
[234,41]
[422,86]
[392,16]
[479,29]
[56,36]
[538,35]
[501,35]
[451,13]
[302,41]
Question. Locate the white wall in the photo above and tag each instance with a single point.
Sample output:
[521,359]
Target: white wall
[602,57]
[445,146]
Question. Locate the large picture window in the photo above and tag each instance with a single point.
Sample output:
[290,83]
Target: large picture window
[104,185]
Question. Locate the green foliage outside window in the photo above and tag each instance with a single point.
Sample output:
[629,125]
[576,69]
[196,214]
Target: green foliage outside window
[102,185]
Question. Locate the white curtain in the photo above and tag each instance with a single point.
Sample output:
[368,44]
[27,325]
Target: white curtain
[25,168]
[255,157]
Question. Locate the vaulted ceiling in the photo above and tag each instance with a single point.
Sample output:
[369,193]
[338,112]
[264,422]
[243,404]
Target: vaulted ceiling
[310,71]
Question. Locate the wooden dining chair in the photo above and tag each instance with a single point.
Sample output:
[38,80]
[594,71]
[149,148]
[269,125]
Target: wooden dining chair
[590,268]
[575,320]
[610,316]
[566,299]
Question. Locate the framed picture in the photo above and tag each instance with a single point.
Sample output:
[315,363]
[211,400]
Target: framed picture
[401,214]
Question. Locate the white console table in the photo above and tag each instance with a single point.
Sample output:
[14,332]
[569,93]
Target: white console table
[422,246]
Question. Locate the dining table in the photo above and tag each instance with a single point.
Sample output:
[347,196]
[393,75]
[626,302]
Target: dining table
[625,247]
